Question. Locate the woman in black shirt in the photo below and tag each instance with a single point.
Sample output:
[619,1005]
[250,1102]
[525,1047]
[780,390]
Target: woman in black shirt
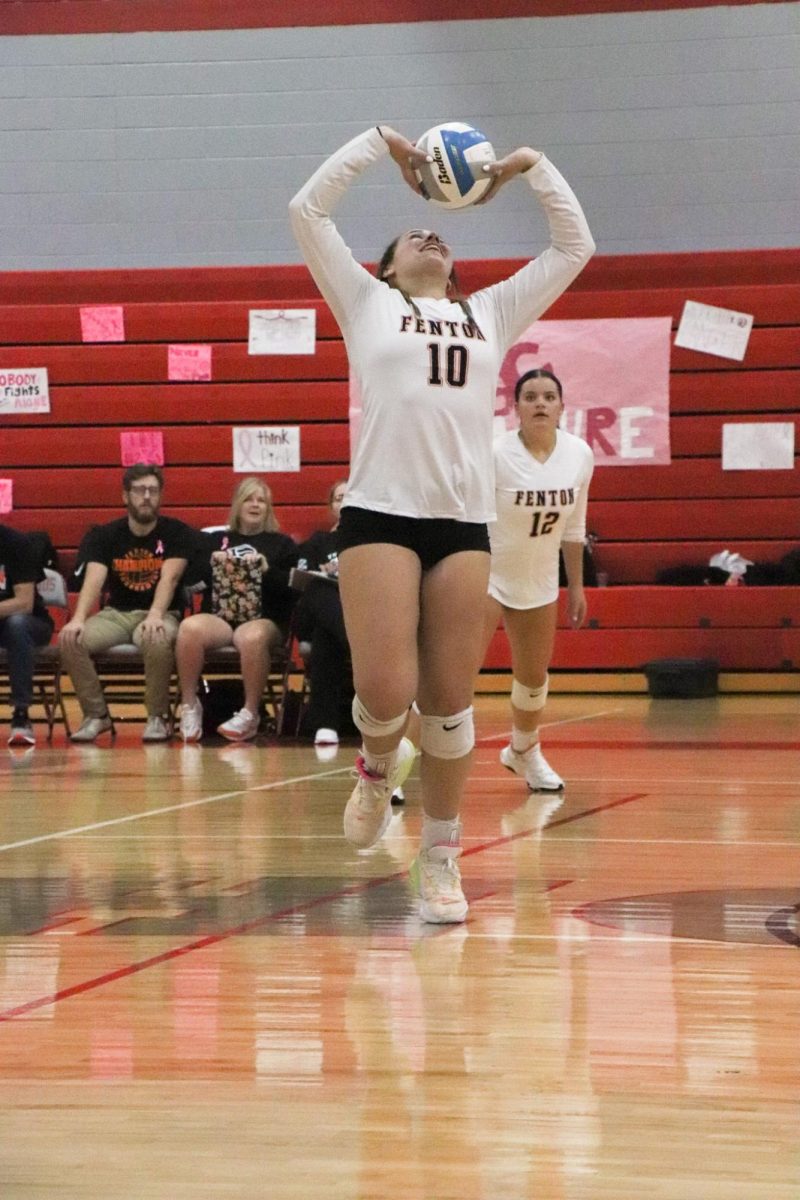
[320,621]
[247,603]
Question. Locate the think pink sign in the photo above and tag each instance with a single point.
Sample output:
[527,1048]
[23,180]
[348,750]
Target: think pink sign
[615,375]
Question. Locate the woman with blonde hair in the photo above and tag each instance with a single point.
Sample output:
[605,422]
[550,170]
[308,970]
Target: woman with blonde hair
[246,603]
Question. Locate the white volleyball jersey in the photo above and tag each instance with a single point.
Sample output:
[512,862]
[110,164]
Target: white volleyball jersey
[539,506]
[427,383]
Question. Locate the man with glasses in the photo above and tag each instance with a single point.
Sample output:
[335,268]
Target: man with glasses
[138,561]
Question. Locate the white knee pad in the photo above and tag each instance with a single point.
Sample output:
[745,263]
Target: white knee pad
[529,699]
[448,737]
[371,727]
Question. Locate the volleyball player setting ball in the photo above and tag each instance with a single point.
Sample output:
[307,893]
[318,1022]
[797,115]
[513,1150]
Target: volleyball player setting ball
[414,545]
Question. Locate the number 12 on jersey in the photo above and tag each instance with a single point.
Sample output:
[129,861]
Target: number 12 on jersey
[543,523]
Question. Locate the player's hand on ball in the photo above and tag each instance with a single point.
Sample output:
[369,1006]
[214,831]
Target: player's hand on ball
[507,168]
[405,154]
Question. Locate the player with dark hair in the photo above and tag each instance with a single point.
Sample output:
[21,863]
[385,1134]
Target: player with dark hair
[542,476]
[413,541]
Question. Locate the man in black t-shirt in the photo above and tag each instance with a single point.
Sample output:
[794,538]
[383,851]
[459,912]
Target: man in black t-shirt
[138,561]
[24,624]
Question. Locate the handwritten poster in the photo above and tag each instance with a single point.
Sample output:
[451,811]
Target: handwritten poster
[266,448]
[758,446]
[190,364]
[6,495]
[102,323]
[142,446]
[24,390]
[720,331]
[282,331]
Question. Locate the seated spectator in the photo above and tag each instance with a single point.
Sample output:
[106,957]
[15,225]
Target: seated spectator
[247,602]
[319,620]
[139,560]
[24,624]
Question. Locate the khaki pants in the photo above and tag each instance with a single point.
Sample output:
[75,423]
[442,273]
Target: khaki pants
[111,627]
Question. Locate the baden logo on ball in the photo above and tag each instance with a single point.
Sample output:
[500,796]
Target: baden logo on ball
[455,177]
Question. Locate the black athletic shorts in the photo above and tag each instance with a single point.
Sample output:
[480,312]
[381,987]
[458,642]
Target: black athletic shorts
[431,538]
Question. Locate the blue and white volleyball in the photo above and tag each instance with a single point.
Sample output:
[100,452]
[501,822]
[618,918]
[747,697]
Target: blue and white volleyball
[455,178]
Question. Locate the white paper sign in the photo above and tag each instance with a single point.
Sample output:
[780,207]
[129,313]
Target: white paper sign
[767,446]
[24,389]
[266,448]
[282,331]
[719,331]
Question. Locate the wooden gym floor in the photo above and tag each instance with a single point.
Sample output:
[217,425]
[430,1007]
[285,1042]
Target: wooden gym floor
[204,992]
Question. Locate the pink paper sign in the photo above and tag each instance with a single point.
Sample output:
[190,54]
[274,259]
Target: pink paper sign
[615,375]
[6,495]
[142,446]
[103,323]
[192,363]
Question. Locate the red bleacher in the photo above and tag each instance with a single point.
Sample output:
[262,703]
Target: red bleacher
[744,629]
[66,464]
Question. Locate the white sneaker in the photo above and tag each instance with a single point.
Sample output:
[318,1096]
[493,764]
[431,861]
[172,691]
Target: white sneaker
[90,728]
[326,737]
[192,721]
[436,879]
[241,727]
[369,809]
[533,767]
[156,730]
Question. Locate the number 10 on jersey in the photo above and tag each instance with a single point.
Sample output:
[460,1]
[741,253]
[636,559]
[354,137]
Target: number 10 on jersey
[453,370]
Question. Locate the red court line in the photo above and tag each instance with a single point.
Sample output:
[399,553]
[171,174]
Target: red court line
[589,812]
[213,939]
[585,812]
[124,972]
[54,925]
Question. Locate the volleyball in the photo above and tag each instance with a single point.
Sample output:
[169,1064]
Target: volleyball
[455,177]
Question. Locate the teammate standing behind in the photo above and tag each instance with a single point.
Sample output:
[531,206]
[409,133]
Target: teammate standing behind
[542,477]
[413,542]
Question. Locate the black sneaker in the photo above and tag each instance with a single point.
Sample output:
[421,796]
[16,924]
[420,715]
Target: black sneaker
[21,729]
